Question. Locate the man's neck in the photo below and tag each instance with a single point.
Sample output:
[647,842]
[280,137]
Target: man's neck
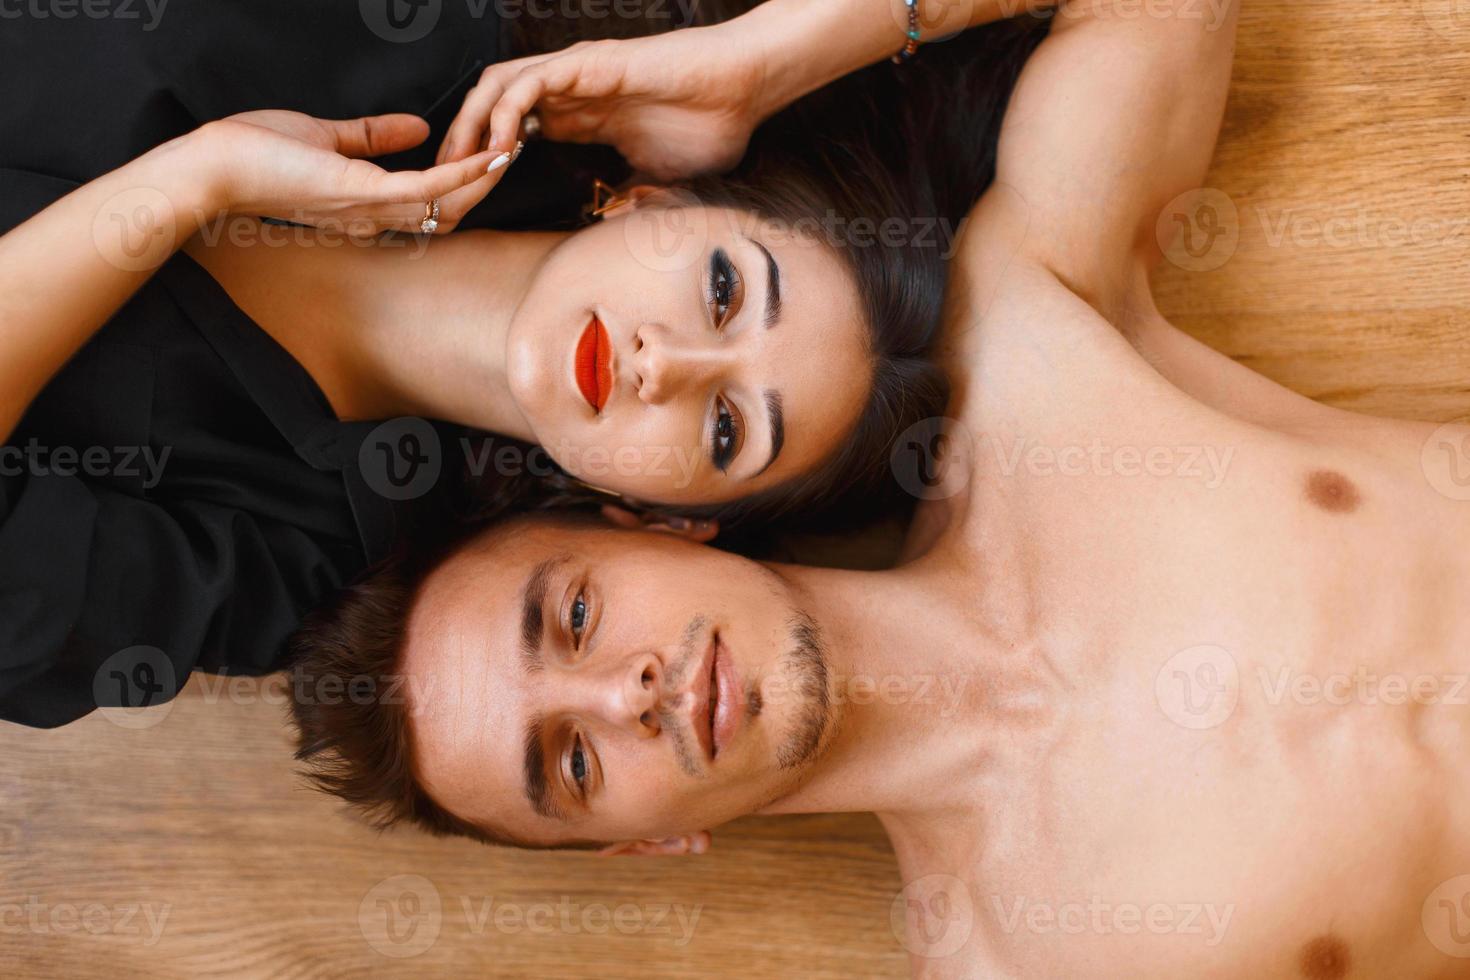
[918,689]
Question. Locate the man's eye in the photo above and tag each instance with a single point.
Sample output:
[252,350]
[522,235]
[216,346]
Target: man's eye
[578,617]
[579,762]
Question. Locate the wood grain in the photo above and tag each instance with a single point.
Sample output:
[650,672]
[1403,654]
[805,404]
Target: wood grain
[1357,112]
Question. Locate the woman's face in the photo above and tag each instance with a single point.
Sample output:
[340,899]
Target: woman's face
[689,355]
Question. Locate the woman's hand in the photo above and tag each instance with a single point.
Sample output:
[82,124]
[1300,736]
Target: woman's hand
[290,166]
[674,104]
[686,102]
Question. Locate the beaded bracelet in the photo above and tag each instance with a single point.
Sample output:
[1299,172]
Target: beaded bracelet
[911,43]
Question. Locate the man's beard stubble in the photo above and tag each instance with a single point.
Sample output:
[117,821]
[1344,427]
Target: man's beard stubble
[808,676]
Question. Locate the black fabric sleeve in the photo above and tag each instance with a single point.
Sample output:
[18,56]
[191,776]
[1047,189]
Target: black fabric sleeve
[95,582]
[24,194]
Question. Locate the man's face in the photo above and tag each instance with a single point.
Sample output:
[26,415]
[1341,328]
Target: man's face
[578,683]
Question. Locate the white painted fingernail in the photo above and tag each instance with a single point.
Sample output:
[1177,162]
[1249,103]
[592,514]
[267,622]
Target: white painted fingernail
[516,153]
[497,163]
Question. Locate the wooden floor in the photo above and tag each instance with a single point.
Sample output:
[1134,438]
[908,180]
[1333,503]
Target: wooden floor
[1358,112]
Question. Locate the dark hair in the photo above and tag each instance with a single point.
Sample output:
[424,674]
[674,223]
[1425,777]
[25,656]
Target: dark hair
[350,708]
[350,702]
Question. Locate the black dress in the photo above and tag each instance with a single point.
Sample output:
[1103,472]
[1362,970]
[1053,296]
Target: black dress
[181,493]
[86,94]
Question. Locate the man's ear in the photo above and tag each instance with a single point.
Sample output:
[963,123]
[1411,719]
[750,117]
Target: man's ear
[631,199]
[696,843]
[685,527]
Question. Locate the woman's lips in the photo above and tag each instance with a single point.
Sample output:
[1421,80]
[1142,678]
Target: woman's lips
[594,364]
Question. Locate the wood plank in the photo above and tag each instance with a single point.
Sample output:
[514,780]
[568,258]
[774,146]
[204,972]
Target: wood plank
[1336,111]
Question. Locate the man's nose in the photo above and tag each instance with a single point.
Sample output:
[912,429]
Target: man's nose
[625,696]
[667,364]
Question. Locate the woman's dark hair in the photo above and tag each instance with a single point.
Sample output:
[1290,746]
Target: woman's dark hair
[885,164]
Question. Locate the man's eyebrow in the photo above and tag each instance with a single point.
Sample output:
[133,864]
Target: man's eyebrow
[773,285]
[778,427]
[533,619]
[538,787]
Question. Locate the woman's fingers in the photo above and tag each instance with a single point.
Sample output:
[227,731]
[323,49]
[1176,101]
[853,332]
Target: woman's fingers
[405,187]
[456,204]
[467,132]
[555,76]
[373,136]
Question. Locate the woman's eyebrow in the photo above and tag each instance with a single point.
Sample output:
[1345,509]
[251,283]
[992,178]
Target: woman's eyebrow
[778,427]
[773,287]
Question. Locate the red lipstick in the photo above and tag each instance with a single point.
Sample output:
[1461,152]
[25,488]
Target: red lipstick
[594,364]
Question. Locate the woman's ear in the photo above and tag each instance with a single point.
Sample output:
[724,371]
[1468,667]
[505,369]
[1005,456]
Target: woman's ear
[630,199]
[696,843]
[702,531]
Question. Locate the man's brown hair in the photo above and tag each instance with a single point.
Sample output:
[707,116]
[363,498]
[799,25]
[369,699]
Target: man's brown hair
[350,702]
[350,698]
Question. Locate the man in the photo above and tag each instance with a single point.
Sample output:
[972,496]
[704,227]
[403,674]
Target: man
[1170,684]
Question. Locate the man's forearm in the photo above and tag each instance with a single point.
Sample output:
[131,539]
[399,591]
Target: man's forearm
[67,270]
[809,43]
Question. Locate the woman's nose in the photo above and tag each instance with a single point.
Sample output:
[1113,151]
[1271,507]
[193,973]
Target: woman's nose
[666,364]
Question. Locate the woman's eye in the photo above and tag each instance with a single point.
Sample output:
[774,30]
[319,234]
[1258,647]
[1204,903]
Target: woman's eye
[723,286]
[726,437]
[578,617]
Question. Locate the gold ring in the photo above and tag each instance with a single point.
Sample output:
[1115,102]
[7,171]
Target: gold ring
[430,224]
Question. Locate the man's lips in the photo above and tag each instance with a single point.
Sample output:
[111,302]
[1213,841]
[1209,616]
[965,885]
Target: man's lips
[717,712]
[729,709]
[594,364]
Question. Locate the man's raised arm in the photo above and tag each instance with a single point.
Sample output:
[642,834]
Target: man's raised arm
[1114,115]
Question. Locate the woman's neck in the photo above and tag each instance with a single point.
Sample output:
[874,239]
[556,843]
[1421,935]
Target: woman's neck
[404,327]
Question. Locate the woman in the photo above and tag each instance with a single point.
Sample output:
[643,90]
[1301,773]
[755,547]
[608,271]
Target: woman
[759,371]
